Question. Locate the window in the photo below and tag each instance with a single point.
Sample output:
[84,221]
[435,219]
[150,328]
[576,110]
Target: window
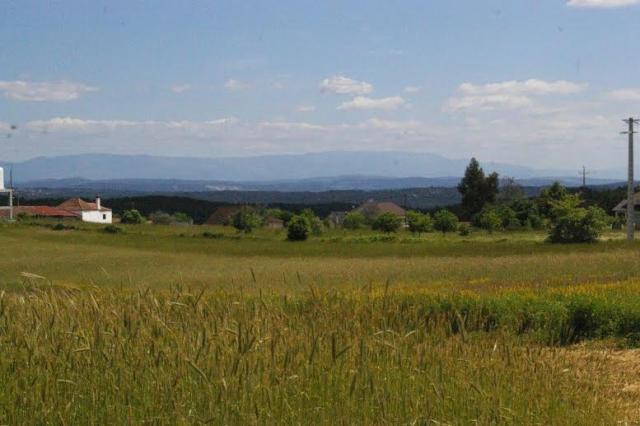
[104,217]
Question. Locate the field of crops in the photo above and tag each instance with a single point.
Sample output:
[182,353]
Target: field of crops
[196,325]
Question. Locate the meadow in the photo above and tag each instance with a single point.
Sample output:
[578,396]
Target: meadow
[184,325]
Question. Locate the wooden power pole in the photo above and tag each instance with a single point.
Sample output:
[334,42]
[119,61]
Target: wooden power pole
[631,213]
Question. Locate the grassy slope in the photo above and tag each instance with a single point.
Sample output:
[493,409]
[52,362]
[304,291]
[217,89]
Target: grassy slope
[308,332]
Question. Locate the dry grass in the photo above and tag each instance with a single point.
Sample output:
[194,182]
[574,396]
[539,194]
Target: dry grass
[151,326]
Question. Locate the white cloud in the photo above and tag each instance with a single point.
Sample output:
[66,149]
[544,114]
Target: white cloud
[345,86]
[60,91]
[287,125]
[305,108]
[235,85]
[180,88]
[624,95]
[412,89]
[511,94]
[380,124]
[488,102]
[526,87]
[78,125]
[602,4]
[362,102]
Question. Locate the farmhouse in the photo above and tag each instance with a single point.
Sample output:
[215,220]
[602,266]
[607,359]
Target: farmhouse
[621,208]
[336,219]
[372,209]
[223,215]
[87,212]
[273,223]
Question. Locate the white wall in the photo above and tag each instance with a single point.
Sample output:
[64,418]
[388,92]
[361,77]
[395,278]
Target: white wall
[95,216]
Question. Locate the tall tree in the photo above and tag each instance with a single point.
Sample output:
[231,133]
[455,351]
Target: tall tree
[476,189]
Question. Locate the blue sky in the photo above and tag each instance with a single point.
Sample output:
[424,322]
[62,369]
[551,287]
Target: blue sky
[541,83]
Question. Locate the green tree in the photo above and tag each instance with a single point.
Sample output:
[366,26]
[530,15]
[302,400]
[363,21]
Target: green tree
[574,224]
[419,222]
[548,198]
[246,220]
[298,228]
[161,218]
[387,222]
[317,227]
[490,220]
[182,218]
[354,220]
[132,217]
[476,189]
[527,213]
[445,221]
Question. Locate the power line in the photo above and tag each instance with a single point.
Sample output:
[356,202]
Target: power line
[631,122]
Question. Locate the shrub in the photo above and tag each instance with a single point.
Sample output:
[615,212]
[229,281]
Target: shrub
[62,227]
[464,230]
[298,228]
[387,222]
[315,224]
[180,217]
[445,221]
[354,220]
[213,235]
[419,222]
[112,229]
[573,224]
[161,218]
[489,220]
[132,217]
[246,220]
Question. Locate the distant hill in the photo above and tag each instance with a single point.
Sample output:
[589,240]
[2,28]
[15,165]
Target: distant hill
[372,165]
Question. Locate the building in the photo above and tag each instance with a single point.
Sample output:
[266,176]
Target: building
[336,219]
[223,216]
[273,223]
[86,211]
[372,209]
[621,208]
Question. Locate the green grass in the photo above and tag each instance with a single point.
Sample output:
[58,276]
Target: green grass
[164,325]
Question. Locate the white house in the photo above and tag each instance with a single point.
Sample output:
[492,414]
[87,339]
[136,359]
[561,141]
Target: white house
[88,212]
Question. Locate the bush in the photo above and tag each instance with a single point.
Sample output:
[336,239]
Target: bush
[387,222]
[112,229]
[298,228]
[489,220]
[573,224]
[161,218]
[464,230]
[354,220]
[213,235]
[315,224]
[180,217]
[62,227]
[419,223]
[445,221]
[132,217]
[246,220]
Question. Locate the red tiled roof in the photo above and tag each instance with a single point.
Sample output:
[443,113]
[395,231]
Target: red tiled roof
[78,204]
[40,211]
[223,215]
[376,208]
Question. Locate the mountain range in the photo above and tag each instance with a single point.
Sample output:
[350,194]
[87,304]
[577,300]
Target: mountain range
[303,172]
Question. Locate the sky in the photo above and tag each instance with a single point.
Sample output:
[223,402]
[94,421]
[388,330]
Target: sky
[541,83]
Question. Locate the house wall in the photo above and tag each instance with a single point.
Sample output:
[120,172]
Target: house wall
[95,216]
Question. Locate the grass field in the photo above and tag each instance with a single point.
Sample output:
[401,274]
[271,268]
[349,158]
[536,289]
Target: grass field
[164,325]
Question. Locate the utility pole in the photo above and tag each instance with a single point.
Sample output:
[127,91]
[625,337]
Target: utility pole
[631,213]
[584,174]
